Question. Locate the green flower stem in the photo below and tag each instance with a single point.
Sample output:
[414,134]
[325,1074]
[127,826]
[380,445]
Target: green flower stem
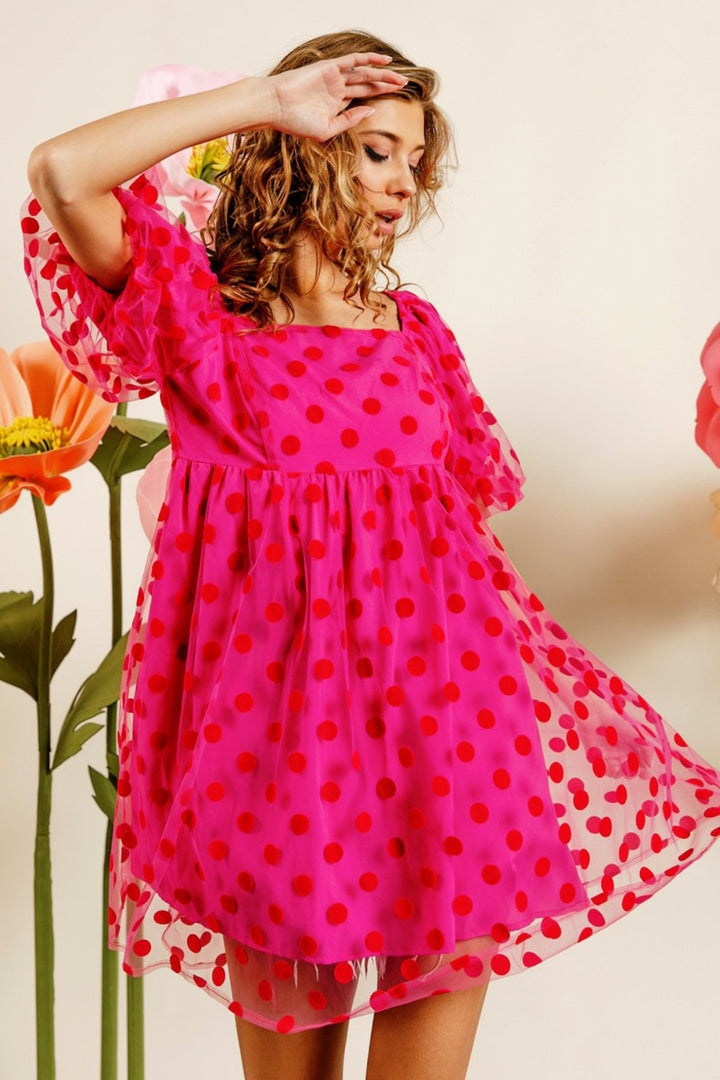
[135,1028]
[44,937]
[110,958]
[109,983]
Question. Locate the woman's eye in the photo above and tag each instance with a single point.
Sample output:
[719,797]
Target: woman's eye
[374,155]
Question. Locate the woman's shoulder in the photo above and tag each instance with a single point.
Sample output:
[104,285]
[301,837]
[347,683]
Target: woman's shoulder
[413,306]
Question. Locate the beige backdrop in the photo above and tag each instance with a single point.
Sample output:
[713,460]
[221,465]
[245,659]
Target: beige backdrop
[578,264]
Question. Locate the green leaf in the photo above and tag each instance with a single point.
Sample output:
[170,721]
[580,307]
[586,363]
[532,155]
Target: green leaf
[7,599]
[96,693]
[62,641]
[105,793]
[144,430]
[128,444]
[20,625]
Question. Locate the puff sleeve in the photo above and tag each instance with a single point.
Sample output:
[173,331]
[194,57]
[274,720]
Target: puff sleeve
[120,344]
[478,453]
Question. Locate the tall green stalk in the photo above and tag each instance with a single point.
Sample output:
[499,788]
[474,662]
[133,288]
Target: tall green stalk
[44,936]
[110,958]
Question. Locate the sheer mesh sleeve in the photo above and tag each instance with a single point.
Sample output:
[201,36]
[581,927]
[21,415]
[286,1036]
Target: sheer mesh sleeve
[119,344]
[479,454]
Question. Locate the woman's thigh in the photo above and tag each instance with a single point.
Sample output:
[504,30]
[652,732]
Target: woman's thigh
[311,1054]
[431,1038]
[428,1039]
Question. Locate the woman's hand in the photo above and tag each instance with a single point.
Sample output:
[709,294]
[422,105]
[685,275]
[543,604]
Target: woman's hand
[312,100]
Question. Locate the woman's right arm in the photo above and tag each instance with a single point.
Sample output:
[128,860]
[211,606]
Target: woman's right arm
[73,175]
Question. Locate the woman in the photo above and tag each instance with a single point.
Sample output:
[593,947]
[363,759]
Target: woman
[350,730]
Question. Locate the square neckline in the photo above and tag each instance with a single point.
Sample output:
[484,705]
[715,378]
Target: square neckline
[393,294]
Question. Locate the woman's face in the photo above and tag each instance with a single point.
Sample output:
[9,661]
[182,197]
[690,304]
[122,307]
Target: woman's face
[392,144]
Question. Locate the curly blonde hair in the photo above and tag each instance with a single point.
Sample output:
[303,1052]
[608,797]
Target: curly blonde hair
[275,181]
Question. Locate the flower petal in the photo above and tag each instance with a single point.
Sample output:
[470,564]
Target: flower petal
[40,467]
[198,203]
[45,488]
[57,395]
[707,424]
[14,396]
[710,362]
[170,175]
[151,490]
[175,80]
[9,494]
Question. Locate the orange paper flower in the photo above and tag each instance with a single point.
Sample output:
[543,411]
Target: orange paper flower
[49,423]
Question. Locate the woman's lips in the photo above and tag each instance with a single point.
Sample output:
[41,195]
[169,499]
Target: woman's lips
[387,227]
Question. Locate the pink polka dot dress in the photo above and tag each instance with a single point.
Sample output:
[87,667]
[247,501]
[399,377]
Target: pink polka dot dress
[355,748]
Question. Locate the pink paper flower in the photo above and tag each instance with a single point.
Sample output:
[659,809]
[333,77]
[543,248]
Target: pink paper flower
[151,490]
[707,425]
[187,175]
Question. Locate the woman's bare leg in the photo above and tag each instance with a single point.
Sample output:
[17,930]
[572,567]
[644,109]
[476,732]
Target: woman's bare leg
[312,1054]
[431,1038]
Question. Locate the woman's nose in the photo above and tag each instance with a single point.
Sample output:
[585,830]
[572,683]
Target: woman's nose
[403,183]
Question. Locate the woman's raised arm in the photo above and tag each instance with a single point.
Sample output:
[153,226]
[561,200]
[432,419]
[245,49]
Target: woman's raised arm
[72,175]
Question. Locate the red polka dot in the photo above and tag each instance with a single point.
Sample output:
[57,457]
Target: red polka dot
[217,849]
[500,964]
[501,779]
[441,785]
[337,913]
[404,907]
[299,824]
[374,941]
[491,874]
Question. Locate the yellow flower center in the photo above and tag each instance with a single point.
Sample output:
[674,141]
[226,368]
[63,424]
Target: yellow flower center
[208,159]
[31,435]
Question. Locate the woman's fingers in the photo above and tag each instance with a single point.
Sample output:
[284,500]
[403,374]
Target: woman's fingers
[347,119]
[368,70]
[353,60]
[310,101]
[369,76]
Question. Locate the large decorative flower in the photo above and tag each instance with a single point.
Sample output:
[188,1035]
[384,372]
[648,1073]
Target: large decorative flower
[707,426]
[189,174]
[49,423]
[151,490]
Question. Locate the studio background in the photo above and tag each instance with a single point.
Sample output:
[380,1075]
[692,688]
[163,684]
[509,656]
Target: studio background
[577,263]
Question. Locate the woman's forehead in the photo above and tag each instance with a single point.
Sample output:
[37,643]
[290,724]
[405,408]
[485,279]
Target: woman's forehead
[396,118]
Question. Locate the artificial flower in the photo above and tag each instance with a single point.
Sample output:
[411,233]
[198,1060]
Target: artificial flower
[707,426]
[49,423]
[189,174]
[151,490]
